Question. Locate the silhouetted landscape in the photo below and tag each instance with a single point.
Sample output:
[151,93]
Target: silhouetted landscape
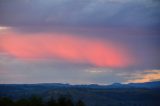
[57,94]
[67,52]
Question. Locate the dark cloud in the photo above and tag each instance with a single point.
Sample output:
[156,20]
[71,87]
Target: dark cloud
[89,13]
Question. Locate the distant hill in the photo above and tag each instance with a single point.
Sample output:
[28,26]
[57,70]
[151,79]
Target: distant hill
[132,94]
[154,84]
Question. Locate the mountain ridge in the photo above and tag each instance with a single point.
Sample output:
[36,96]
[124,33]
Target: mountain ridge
[116,94]
[153,84]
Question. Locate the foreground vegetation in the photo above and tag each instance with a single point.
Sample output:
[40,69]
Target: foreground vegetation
[37,101]
[147,94]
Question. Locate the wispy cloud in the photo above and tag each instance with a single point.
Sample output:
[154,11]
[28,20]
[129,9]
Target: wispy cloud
[3,28]
[145,76]
[98,70]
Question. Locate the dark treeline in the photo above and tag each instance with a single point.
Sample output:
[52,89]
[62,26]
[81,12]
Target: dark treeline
[37,101]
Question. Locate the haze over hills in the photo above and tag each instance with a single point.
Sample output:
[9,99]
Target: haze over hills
[154,84]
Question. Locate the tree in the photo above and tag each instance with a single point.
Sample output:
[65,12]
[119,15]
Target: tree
[52,102]
[69,102]
[22,102]
[61,101]
[6,102]
[35,101]
[80,103]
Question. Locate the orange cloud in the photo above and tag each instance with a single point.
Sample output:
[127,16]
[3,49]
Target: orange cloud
[65,46]
[146,76]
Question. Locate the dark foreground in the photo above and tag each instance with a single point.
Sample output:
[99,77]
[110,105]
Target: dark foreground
[79,95]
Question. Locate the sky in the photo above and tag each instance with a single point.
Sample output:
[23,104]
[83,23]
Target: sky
[79,41]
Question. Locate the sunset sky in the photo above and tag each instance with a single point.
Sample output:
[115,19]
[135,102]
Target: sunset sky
[79,41]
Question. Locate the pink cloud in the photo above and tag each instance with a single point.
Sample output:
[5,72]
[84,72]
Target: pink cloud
[65,46]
